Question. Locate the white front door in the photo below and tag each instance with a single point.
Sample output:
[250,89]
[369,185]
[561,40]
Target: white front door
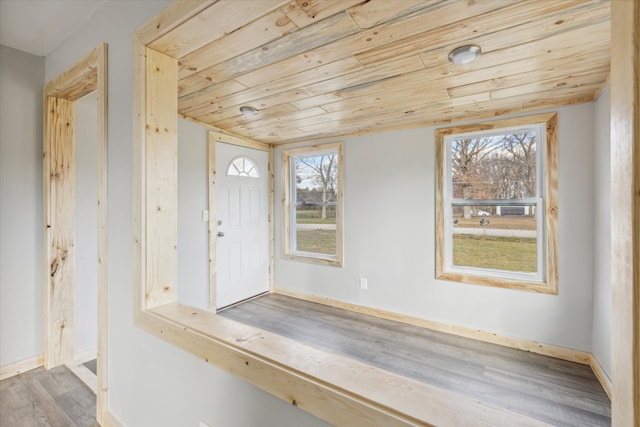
[242,206]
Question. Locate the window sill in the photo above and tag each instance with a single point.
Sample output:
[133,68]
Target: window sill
[337,389]
[522,285]
[314,260]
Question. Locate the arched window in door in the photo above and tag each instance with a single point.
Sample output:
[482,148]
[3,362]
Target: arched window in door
[243,166]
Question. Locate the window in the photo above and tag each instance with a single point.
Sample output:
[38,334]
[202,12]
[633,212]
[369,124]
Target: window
[312,203]
[496,203]
[243,166]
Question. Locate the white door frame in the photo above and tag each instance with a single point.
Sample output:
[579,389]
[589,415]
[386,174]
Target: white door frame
[59,191]
[215,136]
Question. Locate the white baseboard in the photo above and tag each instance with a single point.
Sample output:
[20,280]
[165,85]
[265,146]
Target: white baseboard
[564,353]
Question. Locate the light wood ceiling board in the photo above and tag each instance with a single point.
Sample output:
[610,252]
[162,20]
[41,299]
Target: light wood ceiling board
[349,118]
[221,18]
[360,77]
[358,42]
[168,19]
[531,65]
[403,106]
[306,12]
[324,72]
[372,13]
[266,114]
[208,95]
[552,47]
[431,113]
[473,25]
[267,117]
[513,77]
[318,34]
[264,30]
[397,120]
[380,96]
[587,83]
[559,97]
[511,44]
[377,73]
[193,83]
[563,52]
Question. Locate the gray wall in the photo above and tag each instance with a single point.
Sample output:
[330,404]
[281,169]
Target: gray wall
[21,286]
[602,233]
[389,227]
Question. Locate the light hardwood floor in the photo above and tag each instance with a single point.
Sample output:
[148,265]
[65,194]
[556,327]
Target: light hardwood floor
[54,398]
[554,391]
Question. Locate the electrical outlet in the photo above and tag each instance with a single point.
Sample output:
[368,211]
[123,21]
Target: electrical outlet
[205,215]
[363,283]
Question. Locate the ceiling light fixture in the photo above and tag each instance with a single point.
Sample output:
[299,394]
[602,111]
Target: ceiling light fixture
[248,110]
[464,54]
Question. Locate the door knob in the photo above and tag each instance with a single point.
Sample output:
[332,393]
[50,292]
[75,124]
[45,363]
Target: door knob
[220,234]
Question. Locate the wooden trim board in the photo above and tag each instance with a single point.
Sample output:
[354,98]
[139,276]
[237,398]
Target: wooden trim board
[84,374]
[17,368]
[491,337]
[59,230]
[625,211]
[602,376]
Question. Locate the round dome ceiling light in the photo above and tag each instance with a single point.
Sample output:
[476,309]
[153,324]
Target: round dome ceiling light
[464,54]
[248,110]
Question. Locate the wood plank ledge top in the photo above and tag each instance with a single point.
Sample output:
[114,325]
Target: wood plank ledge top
[316,380]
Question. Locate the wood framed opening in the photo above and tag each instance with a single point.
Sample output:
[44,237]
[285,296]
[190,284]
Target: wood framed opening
[59,187]
[319,383]
[545,146]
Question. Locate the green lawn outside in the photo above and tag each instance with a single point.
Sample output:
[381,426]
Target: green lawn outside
[317,241]
[499,253]
[314,217]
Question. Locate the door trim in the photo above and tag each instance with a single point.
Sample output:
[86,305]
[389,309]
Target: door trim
[213,137]
[59,96]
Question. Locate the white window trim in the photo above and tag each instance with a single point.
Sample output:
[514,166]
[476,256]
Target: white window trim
[545,280]
[288,205]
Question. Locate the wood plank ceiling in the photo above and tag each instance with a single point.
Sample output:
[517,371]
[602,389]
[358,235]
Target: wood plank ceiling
[317,69]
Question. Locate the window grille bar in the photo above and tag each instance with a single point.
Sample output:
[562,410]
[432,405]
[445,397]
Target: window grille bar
[495,202]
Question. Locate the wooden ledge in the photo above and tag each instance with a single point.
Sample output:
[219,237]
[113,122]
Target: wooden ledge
[335,388]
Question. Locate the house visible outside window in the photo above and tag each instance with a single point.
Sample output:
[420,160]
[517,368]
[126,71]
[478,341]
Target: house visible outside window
[313,203]
[497,203]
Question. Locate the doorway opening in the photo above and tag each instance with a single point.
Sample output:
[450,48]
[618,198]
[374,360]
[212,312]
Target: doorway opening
[60,188]
[239,227]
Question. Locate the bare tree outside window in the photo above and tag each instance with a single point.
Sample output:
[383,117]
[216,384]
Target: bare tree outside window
[316,202]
